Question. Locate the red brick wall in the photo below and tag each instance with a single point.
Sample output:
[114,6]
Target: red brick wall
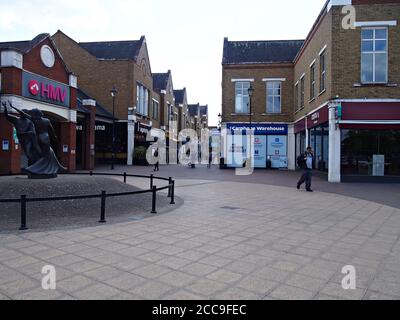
[33,63]
[10,161]
[11,81]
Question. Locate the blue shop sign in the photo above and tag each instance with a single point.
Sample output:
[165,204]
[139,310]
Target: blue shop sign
[259,129]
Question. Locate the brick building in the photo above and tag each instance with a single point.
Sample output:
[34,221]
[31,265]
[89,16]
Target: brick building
[268,68]
[181,103]
[343,86]
[34,75]
[199,116]
[169,111]
[124,65]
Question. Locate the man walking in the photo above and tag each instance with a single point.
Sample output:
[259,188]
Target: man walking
[306,161]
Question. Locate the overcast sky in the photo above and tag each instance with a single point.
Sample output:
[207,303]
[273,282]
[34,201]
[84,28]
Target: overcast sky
[185,36]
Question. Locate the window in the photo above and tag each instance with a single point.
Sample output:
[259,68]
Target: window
[296,97]
[274,97]
[374,55]
[155,109]
[142,100]
[312,81]
[302,92]
[322,76]
[242,97]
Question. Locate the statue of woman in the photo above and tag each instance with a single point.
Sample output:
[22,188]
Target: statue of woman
[33,131]
[26,133]
[48,164]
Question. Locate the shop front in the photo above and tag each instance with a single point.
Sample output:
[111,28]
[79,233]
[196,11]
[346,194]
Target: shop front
[104,145]
[269,150]
[370,141]
[141,143]
[313,131]
[35,77]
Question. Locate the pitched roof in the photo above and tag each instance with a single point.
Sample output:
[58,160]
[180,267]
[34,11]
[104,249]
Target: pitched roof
[160,80]
[114,50]
[100,110]
[179,96]
[204,110]
[253,52]
[193,109]
[24,46]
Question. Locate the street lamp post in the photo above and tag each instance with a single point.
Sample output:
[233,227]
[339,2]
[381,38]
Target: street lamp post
[251,92]
[113,94]
[219,121]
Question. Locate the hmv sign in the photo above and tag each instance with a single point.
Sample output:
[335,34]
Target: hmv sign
[43,89]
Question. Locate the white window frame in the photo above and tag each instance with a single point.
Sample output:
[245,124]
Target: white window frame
[274,97]
[142,100]
[243,95]
[322,72]
[296,97]
[157,104]
[312,81]
[302,91]
[374,53]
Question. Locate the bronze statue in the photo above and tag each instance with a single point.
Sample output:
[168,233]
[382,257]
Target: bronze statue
[34,133]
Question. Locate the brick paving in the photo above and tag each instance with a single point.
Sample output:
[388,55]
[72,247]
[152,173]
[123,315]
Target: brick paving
[228,240]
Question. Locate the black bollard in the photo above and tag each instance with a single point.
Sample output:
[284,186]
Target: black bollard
[153,200]
[103,208]
[173,192]
[169,185]
[23,214]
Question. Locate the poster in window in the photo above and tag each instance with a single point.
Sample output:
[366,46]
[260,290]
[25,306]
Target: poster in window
[277,151]
[236,151]
[260,151]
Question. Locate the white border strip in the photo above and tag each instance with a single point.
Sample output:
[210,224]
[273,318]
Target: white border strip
[242,80]
[274,79]
[323,49]
[312,63]
[368,100]
[369,122]
[390,23]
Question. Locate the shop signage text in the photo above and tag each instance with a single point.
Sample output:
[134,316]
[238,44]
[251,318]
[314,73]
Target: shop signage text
[318,118]
[259,129]
[46,90]
[79,127]
[315,117]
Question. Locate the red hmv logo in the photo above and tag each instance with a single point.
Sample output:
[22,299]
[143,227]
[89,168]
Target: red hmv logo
[47,91]
[33,86]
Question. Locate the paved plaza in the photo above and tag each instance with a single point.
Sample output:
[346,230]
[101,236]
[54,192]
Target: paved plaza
[228,240]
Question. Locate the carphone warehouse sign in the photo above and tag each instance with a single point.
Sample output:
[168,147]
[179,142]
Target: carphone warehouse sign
[258,129]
